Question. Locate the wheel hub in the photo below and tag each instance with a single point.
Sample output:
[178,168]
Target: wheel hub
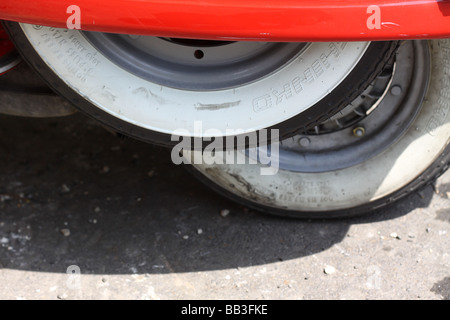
[370,123]
[191,64]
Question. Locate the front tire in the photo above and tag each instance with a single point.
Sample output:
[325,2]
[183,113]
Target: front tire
[110,78]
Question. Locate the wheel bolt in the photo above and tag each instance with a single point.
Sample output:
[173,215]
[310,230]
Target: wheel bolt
[304,142]
[359,132]
[396,90]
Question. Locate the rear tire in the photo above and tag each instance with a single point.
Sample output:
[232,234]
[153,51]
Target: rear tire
[412,159]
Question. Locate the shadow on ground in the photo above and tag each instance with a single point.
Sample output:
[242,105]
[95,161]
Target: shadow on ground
[72,193]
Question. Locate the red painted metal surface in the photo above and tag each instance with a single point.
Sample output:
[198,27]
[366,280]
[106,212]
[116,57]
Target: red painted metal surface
[6,45]
[9,58]
[274,20]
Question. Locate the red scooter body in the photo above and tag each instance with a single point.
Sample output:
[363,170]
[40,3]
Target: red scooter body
[269,20]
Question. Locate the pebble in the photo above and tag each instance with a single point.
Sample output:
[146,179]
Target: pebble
[224,212]
[65,188]
[199,231]
[61,296]
[185,237]
[394,235]
[65,232]
[329,270]
[105,169]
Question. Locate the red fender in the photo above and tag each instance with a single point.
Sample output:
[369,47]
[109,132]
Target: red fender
[268,20]
[8,57]
[6,45]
